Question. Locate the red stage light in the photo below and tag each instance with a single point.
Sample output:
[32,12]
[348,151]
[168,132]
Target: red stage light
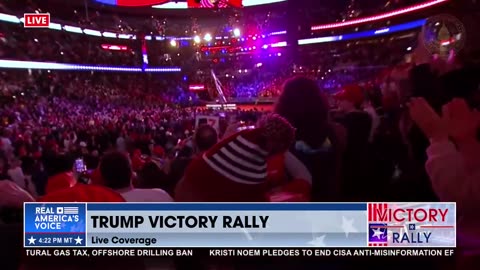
[114,47]
[196,87]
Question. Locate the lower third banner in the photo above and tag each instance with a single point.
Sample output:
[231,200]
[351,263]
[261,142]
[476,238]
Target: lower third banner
[234,225]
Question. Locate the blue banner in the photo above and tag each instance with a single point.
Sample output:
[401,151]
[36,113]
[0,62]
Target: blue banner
[55,224]
[230,225]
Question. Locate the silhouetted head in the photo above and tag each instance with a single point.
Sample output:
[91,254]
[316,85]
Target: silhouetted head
[306,108]
[205,137]
[116,170]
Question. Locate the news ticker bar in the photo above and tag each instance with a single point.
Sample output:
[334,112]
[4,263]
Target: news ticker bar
[243,252]
[231,225]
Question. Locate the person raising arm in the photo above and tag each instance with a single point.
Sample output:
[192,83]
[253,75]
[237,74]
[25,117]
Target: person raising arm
[453,163]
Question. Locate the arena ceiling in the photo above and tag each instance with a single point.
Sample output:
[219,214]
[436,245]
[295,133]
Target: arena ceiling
[168,8]
[157,4]
[170,4]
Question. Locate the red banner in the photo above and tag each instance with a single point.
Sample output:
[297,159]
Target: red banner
[214,3]
[114,47]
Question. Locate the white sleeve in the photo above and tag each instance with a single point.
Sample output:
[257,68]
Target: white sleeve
[296,169]
[74,140]
[450,178]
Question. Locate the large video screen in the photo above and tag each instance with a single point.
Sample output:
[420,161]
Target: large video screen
[132,3]
[214,3]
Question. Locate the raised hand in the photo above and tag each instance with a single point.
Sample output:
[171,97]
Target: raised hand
[432,125]
[461,121]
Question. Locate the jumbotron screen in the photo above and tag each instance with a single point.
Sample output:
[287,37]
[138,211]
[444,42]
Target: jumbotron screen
[191,3]
[214,3]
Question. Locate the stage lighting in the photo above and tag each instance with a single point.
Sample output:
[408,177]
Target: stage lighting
[173,43]
[208,37]
[236,32]
[197,39]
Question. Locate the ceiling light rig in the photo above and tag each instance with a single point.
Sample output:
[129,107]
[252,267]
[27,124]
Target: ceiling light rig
[208,37]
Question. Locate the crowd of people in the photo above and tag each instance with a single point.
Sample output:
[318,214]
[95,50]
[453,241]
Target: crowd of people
[251,87]
[18,43]
[334,66]
[361,144]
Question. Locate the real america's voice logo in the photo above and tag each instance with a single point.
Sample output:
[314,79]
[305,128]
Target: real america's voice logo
[54,224]
[411,225]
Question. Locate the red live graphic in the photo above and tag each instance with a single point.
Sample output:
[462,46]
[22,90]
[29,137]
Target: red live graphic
[36,20]
[381,212]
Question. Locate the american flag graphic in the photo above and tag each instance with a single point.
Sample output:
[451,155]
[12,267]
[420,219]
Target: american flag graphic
[442,235]
[377,232]
[374,210]
[67,210]
[377,235]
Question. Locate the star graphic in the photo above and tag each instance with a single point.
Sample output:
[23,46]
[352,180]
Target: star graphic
[78,240]
[78,227]
[318,242]
[378,233]
[347,226]
[31,240]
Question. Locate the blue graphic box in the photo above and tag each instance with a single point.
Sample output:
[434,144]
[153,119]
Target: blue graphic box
[54,224]
[378,233]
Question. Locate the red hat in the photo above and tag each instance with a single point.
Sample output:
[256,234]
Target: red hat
[158,151]
[37,154]
[352,93]
[51,144]
[60,181]
[137,162]
[390,100]
[83,193]
[235,169]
